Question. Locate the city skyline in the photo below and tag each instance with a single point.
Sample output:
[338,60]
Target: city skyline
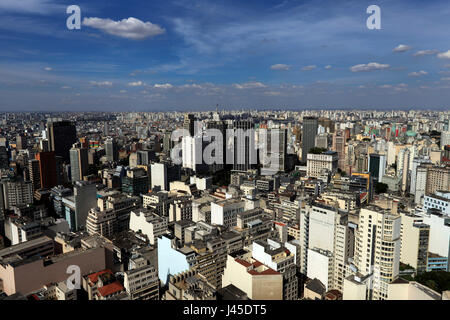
[194,56]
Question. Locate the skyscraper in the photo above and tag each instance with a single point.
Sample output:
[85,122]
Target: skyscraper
[377,166]
[62,135]
[188,124]
[112,150]
[21,142]
[79,163]
[378,246]
[339,147]
[47,169]
[244,141]
[310,125]
[34,172]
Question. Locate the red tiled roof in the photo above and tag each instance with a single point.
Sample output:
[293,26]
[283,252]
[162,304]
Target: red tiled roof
[94,276]
[110,289]
[269,272]
[280,223]
[244,263]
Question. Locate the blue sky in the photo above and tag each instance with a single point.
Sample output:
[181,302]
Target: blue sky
[192,55]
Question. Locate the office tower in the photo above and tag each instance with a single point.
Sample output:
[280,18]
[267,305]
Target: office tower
[309,132]
[390,153]
[438,178]
[60,177]
[144,157]
[192,152]
[417,161]
[106,129]
[77,206]
[243,140]
[62,135]
[403,168]
[221,126]
[330,245]
[167,142]
[377,249]
[415,236]
[135,182]
[35,174]
[17,192]
[79,163]
[421,183]
[56,196]
[322,141]
[44,145]
[21,142]
[112,150]
[189,124]
[4,158]
[318,163]
[339,146]
[276,154]
[47,169]
[377,166]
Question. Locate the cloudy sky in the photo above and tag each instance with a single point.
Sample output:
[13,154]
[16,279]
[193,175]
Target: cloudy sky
[193,55]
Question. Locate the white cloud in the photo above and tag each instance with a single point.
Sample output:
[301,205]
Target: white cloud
[328,67]
[31,6]
[249,85]
[402,48]
[163,86]
[130,28]
[101,83]
[48,69]
[417,73]
[308,68]
[444,55]
[123,91]
[422,53]
[65,87]
[371,66]
[135,83]
[385,86]
[280,66]
[445,79]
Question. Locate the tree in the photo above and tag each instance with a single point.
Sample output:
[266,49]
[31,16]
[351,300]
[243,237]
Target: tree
[317,150]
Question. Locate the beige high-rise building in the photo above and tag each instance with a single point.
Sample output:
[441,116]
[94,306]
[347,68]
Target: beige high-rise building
[438,178]
[377,250]
[414,241]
